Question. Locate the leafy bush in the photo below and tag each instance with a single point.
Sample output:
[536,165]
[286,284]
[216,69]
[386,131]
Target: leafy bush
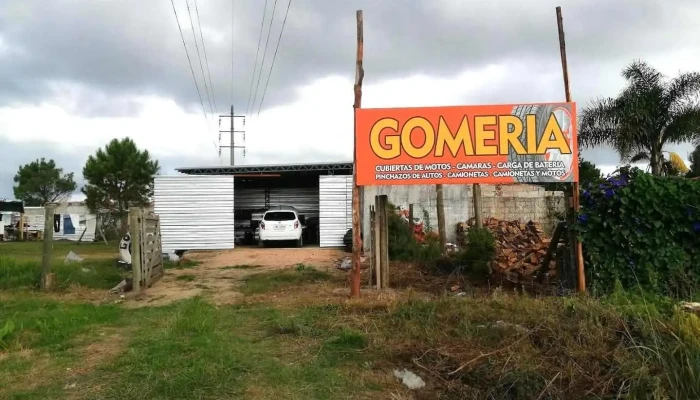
[480,249]
[403,245]
[642,230]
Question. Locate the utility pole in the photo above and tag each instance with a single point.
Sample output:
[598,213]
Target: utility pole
[232,132]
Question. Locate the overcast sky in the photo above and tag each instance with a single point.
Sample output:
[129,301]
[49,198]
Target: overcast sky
[76,73]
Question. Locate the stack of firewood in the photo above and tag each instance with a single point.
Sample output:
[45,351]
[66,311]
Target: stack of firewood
[520,247]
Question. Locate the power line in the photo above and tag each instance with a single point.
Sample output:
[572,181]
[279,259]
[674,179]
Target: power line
[284,22]
[262,64]
[190,62]
[199,56]
[257,52]
[206,59]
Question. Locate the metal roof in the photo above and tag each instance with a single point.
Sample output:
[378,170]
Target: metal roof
[329,167]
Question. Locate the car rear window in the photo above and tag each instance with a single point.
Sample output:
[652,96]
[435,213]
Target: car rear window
[280,216]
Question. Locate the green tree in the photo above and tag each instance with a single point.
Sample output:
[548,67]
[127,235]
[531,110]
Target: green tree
[587,173]
[41,182]
[694,158]
[119,177]
[648,114]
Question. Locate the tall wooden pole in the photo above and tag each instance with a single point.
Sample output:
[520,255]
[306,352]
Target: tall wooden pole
[356,229]
[581,287]
[47,277]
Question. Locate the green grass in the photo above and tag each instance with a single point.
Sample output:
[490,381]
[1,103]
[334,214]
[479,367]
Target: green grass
[186,278]
[91,273]
[20,265]
[193,349]
[272,281]
[547,348]
[41,323]
[31,251]
[241,267]
[190,349]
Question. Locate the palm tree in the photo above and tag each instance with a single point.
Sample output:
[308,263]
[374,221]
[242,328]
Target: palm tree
[649,113]
[671,166]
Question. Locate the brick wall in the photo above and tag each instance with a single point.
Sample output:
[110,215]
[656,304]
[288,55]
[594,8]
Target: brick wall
[522,202]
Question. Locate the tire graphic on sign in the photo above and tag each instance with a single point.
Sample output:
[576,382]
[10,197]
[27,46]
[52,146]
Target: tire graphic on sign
[542,113]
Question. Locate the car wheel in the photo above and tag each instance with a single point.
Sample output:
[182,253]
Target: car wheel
[300,242]
[261,243]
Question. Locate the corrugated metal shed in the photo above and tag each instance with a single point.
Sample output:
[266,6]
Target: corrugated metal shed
[335,209]
[196,212]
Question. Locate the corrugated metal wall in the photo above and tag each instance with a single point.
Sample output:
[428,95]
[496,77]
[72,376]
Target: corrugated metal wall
[305,200]
[335,208]
[196,212]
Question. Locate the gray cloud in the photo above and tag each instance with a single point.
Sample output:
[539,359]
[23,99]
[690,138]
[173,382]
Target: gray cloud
[95,57]
[132,47]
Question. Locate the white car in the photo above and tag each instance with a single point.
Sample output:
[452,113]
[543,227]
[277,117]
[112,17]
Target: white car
[280,223]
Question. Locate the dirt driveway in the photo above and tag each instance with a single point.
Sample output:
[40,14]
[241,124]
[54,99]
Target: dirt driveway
[220,272]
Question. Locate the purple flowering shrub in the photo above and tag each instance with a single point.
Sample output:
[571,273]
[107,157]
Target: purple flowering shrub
[642,230]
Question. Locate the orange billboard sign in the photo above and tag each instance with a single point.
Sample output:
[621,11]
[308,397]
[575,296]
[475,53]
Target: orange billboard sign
[494,144]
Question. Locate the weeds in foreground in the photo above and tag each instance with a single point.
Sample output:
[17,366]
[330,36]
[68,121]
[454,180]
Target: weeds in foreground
[272,281]
[498,346]
[186,278]
[181,264]
[241,267]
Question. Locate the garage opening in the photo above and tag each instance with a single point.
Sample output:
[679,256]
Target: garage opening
[255,195]
[321,194]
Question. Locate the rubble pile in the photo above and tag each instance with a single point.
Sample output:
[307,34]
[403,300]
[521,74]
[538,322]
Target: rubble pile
[520,247]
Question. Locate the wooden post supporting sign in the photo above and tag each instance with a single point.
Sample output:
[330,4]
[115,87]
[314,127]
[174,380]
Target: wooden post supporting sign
[356,229]
[577,247]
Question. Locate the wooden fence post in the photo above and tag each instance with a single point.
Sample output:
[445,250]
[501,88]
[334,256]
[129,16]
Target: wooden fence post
[372,244]
[377,249]
[21,227]
[440,203]
[478,212]
[384,239]
[411,223]
[47,278]
[135,232]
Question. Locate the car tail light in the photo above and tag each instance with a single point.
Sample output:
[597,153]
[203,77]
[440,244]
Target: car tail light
[296,224]
[262,225]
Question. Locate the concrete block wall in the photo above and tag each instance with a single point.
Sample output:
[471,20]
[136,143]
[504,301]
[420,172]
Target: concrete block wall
[509,202]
